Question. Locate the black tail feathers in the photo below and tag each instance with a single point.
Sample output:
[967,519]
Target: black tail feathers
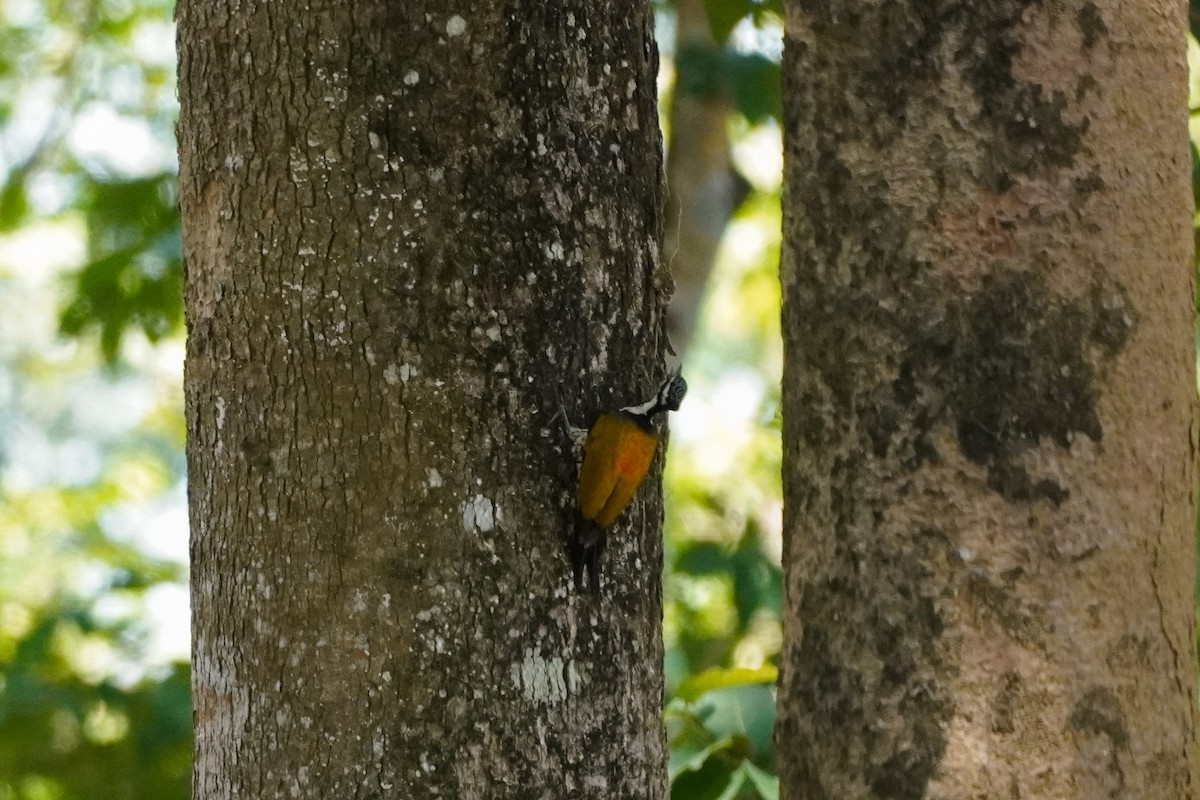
[585,547]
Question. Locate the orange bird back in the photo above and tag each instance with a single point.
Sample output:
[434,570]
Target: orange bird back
[616,457]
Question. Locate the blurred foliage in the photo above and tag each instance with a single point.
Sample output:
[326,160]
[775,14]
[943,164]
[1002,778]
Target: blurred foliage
[74,77]
[64,733]
[134,275]
[723,582]
[87,698]
[93,702]
[725,15]
[750,79]
[743,65]
[717,742]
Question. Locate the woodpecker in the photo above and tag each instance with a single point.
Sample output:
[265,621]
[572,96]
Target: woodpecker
[616,456]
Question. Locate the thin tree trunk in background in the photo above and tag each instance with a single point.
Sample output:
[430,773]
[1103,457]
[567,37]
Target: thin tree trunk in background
[409,228]
[703,187]
[988,402]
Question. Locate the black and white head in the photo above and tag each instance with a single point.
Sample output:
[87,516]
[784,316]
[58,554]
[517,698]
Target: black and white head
[669,397]
[671,393]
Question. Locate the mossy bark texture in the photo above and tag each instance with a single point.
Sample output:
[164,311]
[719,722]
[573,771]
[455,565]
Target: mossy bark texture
[409,229]
[989,399]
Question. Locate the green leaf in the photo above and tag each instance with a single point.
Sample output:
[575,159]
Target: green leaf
[715,780]
[747,710]
[750,80]
[724,15]
[754,81]
[699,71]
[13,202]
[689,758]
[703,558]
[720,678]
[766,784]
[757,579]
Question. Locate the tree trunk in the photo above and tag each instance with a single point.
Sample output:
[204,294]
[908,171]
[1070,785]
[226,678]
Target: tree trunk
[407,232]
[988,402]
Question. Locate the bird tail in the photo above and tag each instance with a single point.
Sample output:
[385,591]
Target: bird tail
[585,547]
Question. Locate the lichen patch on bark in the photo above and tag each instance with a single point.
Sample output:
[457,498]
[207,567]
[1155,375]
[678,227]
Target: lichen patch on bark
[1024,372]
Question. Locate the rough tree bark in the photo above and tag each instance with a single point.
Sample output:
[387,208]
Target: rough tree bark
[408,228]
[988,402]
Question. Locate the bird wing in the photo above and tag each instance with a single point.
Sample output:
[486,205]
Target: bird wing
[633,456]
[598,475]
